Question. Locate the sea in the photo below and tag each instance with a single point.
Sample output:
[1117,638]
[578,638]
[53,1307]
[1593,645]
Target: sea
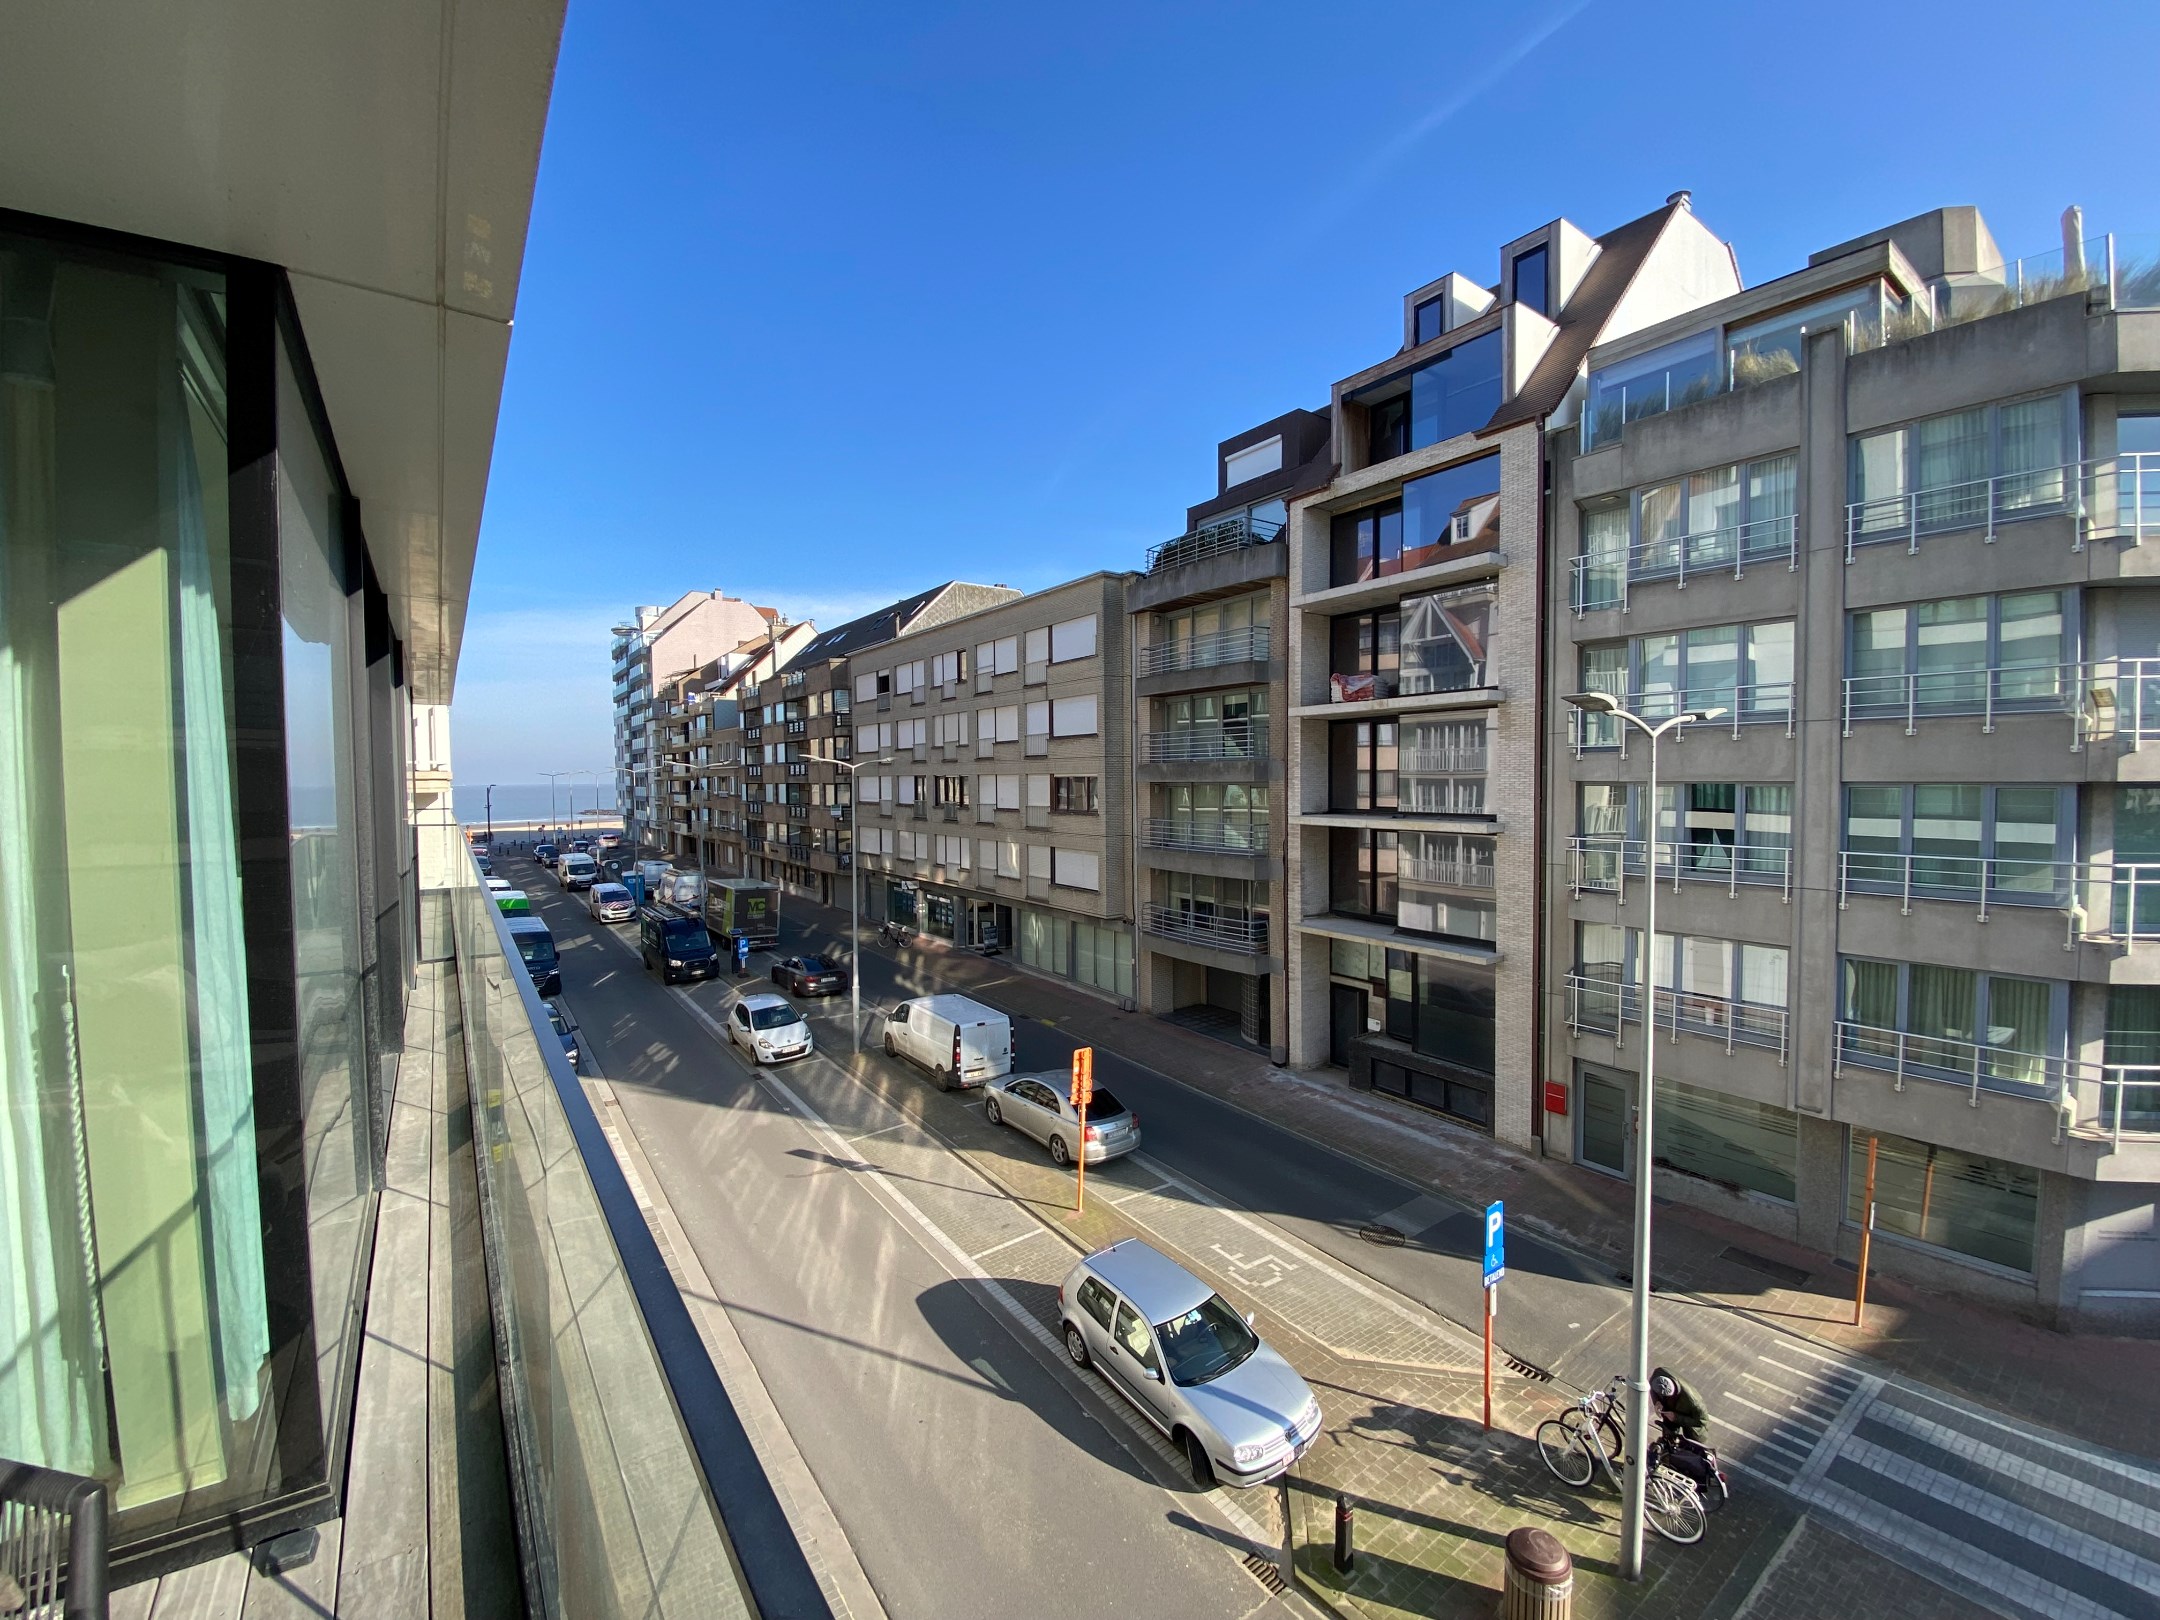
[536,802]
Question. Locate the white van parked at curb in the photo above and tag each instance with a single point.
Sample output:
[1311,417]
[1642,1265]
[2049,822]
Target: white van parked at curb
[960,1041]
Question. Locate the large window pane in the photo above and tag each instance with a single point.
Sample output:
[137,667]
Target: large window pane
[1456,393]
[1455,506]
[1744,1145]
[1950,652]
[1447,640]
[1604,549]
[1455,1013]
[1946,836]
[1769,687]
[2035,645]
[2035,449]
[1952,456]
[1985,1208]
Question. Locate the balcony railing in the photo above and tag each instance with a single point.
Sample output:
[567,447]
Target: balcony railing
[1608,1006]
[2099,899]
[1246,935]
[2103,698]
[616,1421]
[1441,761]
[1237,532]
[1247,645]
[1447,874]
[1760,703]
[1603,864]
[1217,837]
[1974,1066]
[1603,579]
[1246,739]
[1371,687]
[2109,499]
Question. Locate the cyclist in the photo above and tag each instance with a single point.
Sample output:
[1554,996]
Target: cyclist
[1679,1410]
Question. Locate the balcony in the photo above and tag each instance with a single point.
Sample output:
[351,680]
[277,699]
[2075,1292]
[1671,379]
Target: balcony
[1245,739]
[2101,900]
[1603,864]
[1249,645]
[1603,580]
[2117,499]
[1757,703]
[1238,532]
[2105,697]
[1247,936]
[1608,1006]
[1979,1066]
[1219,837]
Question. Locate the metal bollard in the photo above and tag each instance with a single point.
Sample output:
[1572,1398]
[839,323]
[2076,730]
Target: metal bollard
[1345,1526]
[1540,1577]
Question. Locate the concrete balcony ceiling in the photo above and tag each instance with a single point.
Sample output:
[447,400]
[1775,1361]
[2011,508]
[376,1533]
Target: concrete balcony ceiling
[385,156]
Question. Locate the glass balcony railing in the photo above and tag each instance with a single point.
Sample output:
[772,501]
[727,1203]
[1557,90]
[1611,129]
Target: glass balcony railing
[636,1489]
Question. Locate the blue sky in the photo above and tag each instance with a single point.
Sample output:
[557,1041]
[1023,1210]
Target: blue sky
[822,304]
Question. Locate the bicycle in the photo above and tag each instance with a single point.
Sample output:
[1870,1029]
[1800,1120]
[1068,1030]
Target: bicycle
[1573,1447]
[892,933]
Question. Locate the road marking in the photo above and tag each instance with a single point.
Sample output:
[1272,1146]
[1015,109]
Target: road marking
[1764,1411]
[1797,1454]
[1798,1372]
[883,1130]
[1139,1191]
[984,1254]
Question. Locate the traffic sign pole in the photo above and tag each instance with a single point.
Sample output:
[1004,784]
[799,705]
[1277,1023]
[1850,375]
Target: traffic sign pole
[1492,1291]
[1495,1269]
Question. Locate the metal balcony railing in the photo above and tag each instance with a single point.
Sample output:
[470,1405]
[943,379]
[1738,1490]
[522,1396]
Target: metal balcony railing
[1441,761]
[2116,698]
[1604,863]
[1237,739]
[1755,704]
[1249,645]
[1213,837]
[1975,1066]
[1447,874]
[1608,1006]
[2110,498]
[1237,532]
[1245,935]
[2099,899]
[1603,579]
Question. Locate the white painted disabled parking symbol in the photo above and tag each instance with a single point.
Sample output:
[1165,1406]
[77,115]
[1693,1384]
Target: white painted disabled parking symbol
[1261,1271]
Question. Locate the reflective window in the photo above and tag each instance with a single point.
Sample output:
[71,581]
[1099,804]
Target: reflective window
[1530,279]
[1451,395]
[1965,469]
[1986,1208]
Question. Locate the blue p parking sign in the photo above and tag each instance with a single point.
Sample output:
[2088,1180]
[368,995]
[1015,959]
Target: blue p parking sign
[1495,1243]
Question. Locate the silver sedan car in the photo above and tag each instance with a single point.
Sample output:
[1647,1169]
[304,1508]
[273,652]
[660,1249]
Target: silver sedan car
[1195,1369]
[1037,1104]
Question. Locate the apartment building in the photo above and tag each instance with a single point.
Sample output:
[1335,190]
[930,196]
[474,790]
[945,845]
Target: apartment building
[1210,624]
[995,761]
[1890,519]
[696,766]
[653,647]
[1411,732]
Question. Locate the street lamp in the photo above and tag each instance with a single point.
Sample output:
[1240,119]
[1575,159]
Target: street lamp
[1638,1412]
[552,777]
[855,894]
[491,814]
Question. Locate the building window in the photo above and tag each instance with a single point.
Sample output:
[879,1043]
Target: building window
[1073,795]
[948,667]
[1076,869]
[1987,1209]
[951,790]
[1216,725]
[1254,461]
[1952,839]
[1435,643]
[1228,631]
[1664,379]
[1965,469]
[1451,395]
[1230,816]
[1964,655]
[1719,519]
[1458,506]
[1073,716]
[1529,279]
[1445,886]
[1744,669]
[1705,829]
[1363,869]
[1363,766]
[1074,638]
[1953,1023]
[1736,1142]
[1772,348]
[1429,320]
[1038,645]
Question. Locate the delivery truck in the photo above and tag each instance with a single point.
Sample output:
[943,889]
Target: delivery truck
[743,908]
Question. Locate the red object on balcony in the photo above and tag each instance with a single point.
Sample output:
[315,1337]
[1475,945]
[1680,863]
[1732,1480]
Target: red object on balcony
[1556,1097]
[1352,688]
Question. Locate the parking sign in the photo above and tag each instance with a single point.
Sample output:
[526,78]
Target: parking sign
[1495,1243]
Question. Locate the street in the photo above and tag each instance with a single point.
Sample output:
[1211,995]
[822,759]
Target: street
[883,1252]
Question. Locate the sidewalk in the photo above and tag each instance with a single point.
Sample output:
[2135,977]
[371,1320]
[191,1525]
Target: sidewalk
[2066,1382]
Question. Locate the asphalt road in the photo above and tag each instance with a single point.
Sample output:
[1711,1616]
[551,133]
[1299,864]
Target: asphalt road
[971,1472]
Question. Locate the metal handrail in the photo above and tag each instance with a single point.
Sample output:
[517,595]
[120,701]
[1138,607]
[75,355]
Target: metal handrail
[1447,874]
[1247,935]
[1603,862]
[1729,548]
[1752,703]
[1608,1006]
[2102,697]
[2111,497]
[1238,740]
[1246,645]
[2100,899]
[1974,1065]
[1441,761]
[1238,532]
[1223,836]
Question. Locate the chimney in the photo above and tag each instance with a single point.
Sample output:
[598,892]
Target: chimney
[1681,199]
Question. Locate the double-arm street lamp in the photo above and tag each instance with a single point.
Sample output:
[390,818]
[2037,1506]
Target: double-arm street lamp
[854,976]
[1638,1411]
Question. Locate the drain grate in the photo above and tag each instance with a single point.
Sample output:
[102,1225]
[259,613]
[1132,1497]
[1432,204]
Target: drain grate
[1776,1270]
[1526,1369]
[1266,1572]
[1387,1237]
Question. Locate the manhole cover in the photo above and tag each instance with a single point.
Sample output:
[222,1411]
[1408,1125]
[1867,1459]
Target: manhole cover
[1525,1369]
[1387,1237]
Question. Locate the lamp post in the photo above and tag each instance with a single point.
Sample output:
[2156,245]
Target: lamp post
[1638,1412]
[855,895]
[491,814]
[553,777]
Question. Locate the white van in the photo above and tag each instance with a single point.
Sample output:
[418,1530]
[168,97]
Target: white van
[577,871]
[961,1042]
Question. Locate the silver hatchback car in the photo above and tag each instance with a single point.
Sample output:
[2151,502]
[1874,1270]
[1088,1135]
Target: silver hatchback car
[1039,1105]
[1191,1364]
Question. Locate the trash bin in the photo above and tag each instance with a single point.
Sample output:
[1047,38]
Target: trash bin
[1540,1577]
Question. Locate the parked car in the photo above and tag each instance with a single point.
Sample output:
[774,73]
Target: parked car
[496,885]
[513,903]
[610,903]
[1195,1368]
[810,976]
[675,945]
[566,1028]
[769,1028]
[487,867]
[536,947]
[582,846]
[576,871]
[545,855]
[960,1041]
[1040,1105]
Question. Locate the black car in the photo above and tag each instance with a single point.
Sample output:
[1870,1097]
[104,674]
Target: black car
[544,854]
[566,1027]
[810,976]
[676,945]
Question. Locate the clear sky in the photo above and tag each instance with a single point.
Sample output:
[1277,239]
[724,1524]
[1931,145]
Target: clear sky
[826,303]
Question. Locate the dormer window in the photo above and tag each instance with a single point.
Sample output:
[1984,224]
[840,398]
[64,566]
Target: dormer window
[1431,319]
[1528,279]
[1254,461]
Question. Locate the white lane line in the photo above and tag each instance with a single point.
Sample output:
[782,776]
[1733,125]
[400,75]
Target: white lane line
[1785,1446]
[1802,1405]
[984,1254]
[1800,1372]
[1139,1191]
[883,1130]
[1777,1419]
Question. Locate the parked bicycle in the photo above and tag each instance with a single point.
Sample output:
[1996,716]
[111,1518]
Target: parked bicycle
[892,933]
[1574,1446]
